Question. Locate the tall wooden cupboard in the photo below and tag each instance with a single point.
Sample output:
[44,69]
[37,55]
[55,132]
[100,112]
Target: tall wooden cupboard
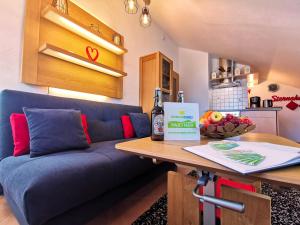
[156,70]
[175,86]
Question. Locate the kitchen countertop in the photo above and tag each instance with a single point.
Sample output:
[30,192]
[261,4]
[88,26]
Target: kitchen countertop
[263,109]
[251,109]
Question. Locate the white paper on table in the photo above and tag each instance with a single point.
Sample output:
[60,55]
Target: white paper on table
[276,156]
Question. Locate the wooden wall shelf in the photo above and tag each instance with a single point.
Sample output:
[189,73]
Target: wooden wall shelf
[52,14]
[62,54]
[57,51]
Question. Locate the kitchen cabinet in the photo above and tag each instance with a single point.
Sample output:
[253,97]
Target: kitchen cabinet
[156,70]
[266,121]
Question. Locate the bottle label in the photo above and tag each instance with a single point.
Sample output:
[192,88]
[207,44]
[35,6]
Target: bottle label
[158,124]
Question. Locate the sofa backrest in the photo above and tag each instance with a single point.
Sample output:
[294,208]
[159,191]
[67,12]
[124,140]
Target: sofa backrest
[13,102]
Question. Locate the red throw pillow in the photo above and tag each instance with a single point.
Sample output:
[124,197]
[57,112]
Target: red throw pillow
[20,132]
[85,128]
[128,130]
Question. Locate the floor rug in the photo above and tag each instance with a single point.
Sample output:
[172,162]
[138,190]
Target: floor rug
[285,208]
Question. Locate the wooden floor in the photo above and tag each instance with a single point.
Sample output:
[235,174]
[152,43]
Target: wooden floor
[123,213]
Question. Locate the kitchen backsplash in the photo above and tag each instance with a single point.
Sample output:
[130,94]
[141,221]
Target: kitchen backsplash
[228,98]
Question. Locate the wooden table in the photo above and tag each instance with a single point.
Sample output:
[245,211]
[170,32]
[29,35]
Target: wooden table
[172,151]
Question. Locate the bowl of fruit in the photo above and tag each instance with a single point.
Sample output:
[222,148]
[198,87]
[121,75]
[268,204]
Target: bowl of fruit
[215,125]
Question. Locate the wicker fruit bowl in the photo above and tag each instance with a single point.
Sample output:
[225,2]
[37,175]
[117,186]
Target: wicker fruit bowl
[215,125]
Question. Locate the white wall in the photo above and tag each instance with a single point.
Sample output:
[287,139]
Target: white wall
[193,70]
[289,121]
[139,41]
[11,23]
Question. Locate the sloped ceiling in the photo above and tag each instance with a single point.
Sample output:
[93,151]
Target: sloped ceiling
[261,33]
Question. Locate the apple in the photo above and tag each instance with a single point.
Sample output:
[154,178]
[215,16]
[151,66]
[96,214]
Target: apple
[235,121]
[206,123]
[204,119]
[216,117]
[247,121]
[229,117]
[221,122]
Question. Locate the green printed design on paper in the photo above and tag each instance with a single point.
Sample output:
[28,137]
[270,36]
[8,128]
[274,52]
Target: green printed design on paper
[184,124]
[248,158]
[224,146]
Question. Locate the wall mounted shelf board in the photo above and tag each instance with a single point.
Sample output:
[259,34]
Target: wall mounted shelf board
[241,76]
[62,54]
[65,21]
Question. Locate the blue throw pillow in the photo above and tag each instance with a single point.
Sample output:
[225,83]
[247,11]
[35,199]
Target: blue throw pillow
[54,130]
[141,124]
[105,130]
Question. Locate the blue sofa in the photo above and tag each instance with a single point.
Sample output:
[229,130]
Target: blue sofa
[69,187]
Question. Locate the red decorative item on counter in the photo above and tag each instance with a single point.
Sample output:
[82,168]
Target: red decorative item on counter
[92,53]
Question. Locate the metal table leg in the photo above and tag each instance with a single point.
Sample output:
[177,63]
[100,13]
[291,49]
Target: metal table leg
[209,210]
[207,180]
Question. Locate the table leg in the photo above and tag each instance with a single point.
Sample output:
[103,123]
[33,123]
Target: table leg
[207,180]
[183,200]
[209,210]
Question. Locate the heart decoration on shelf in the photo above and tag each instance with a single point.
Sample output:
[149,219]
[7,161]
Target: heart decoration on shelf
[92,53]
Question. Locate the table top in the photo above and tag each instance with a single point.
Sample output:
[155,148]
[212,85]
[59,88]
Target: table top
[172,151]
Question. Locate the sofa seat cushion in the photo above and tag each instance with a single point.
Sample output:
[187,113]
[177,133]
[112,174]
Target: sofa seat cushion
[47,186]
[125,166]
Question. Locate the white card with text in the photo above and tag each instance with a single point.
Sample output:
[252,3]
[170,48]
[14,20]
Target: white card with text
[181,121]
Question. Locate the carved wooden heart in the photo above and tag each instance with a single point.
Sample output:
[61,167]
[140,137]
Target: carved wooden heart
[92,53]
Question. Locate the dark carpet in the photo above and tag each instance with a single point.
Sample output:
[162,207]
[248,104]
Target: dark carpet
[285,208]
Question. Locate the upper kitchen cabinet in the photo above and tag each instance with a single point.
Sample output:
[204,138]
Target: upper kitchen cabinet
[156,70]
[226,73]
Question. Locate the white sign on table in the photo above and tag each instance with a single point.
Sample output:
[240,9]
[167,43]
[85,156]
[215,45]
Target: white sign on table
[181,121]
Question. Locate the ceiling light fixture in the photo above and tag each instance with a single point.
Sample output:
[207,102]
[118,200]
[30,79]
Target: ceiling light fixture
[131,6]
[145,19]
